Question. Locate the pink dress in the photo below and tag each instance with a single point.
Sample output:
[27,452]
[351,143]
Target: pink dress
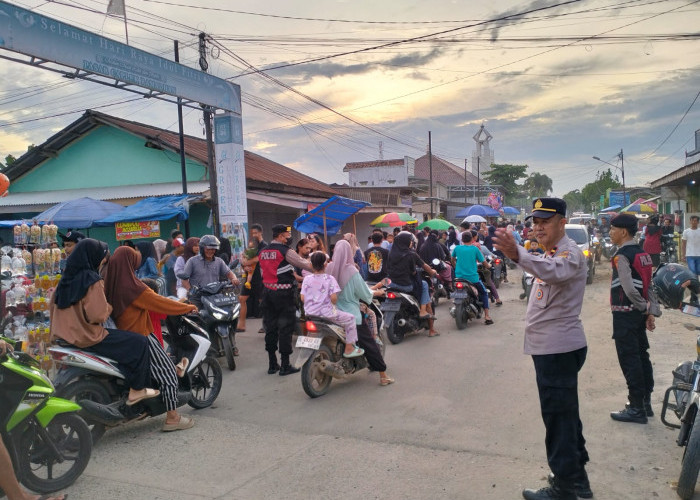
[317,290]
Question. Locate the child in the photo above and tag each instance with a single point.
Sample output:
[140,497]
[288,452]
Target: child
[535,247]
[319,293]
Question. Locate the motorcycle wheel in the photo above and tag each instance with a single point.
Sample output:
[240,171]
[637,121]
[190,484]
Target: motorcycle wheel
[691,462]
[205,383]
[435,300]
[93,391]
[461,317]
[395,332]
[497,282]
[41,471]
[228,351]
[313,380]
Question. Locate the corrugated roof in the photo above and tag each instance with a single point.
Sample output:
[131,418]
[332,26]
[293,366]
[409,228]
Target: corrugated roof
[374,163]
[444,172]
[260,171]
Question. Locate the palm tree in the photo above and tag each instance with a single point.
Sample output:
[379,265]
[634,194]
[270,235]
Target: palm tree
[538,185]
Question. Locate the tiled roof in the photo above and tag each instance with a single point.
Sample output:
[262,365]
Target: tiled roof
[444,172]
[375,163]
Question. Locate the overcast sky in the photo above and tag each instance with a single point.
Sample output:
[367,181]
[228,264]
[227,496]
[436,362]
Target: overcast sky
[553,87]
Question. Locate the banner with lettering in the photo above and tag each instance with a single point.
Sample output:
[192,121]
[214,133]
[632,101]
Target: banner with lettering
[136,230]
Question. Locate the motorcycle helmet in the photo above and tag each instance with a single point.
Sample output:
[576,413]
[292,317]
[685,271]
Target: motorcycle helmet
[208,241]
[667,282]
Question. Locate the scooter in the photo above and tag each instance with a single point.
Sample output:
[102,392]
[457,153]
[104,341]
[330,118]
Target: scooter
[441,287]
[49,444]
[609,248]
[402,315]
[682,398]
[97,384]
[467,304]
[669,252]
[319,354]
[526,282]
[496,270]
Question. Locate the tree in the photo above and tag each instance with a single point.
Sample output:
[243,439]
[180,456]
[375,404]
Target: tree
[506,176]
[537,185]
[592,191]
[574,201]
[9,160]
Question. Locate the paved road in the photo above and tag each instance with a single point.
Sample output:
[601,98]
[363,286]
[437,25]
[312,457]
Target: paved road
[462,422]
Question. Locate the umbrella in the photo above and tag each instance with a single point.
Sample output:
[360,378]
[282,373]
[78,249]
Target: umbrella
[439,224]
[639,208]
[78,214]
[612,208]
[393,219]
[482,210]
[511,211]
[474,218]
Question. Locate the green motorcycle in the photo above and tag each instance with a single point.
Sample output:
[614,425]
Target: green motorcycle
[50,445]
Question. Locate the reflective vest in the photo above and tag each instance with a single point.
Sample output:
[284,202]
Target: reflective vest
[274,266]
[641,267]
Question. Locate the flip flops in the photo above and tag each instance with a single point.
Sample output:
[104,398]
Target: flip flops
[488,322]
[386,381]
[240,330]
[356,352]
[181,367]
[150,393]
[180,425]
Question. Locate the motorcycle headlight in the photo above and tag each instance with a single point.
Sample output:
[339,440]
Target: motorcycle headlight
[218,313]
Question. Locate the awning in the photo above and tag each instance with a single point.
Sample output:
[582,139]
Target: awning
[154,208]
[328,217]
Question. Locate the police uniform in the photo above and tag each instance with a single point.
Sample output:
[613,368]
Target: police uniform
[631,300]
[555,339]
[278,301]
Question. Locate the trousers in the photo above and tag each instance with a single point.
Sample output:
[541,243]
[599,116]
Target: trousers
[632,345]
[347,321]
[163,373]
[365,340]
[130,350]
[557,384]
[279,319]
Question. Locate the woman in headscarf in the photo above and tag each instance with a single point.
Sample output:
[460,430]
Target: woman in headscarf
[191,248]
[79,307]
[353,290]
[159,245]
[433,249]
[357,256]
[452,238]
[402,268]
[224,252]
[131,302]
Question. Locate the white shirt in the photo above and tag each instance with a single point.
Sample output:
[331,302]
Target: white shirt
[692,239]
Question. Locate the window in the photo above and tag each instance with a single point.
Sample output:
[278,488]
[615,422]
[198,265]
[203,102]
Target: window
[579,235]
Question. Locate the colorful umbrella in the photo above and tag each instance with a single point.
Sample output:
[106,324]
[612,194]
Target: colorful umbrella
[438,224]
[393,219]
[639,208]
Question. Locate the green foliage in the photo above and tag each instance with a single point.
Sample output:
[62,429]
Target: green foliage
[574,201]
[506,176]
[537,185]
[590,194]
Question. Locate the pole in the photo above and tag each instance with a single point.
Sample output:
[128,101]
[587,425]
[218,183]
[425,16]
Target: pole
[478,180]
[465,180]
[211,167]
[126,29]
[430,164]
[183,166]
[622,169]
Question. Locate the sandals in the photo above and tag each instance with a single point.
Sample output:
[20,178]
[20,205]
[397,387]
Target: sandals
[180,425]
[434,334]
[150,393]
[50,496]
[488,322]
[356,352]
[499,303]
[181,367]
[240,330]
[386,381]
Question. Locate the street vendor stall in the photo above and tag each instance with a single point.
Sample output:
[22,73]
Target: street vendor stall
[328,217]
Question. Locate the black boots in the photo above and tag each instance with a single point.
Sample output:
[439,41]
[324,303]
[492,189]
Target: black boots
[557,490]
[287,369]
[581,485]
[630,414]
[274,367]
[647,406]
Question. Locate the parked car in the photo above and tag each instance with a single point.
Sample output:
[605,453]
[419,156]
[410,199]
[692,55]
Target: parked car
[579,233]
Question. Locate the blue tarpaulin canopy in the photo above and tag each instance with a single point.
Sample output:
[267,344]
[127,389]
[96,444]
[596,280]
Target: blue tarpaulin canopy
[78,214]
[328,217]
[511,211]
[154,208]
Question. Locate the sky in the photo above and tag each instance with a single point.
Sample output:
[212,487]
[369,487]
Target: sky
[555,82]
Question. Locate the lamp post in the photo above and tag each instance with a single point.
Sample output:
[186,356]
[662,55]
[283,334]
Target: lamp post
[621,167]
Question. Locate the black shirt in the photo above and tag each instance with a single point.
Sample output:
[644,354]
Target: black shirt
[401,271]
[377,259]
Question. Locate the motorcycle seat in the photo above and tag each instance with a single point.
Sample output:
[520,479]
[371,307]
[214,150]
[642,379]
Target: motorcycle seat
[319,319]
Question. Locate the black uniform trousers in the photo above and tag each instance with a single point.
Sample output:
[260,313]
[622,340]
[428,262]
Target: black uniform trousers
[632,345]
[372,352]
[279,319]
[557,383]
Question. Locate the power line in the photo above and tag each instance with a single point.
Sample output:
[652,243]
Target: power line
[674,128]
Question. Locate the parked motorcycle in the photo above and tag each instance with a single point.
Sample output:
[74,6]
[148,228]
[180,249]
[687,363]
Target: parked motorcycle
[526,281]
[669,249]
[49,444]
[608,248]
[467,303]
[218,314]
[97,384]
[496,270]
[440,286]
[402,315]
[319,354]
[682,398]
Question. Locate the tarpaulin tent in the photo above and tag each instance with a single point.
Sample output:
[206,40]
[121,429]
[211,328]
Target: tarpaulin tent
[328,217]
[78,214]
[154,208]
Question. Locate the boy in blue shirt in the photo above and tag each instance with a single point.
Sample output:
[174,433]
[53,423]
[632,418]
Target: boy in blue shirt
[464,260]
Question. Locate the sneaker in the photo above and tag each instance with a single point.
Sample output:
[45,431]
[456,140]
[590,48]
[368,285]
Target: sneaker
[581,486]
[647,407]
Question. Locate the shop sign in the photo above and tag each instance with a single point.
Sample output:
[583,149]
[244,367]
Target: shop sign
[136,230]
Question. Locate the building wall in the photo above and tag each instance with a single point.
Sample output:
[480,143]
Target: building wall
[106,157]
[385,176]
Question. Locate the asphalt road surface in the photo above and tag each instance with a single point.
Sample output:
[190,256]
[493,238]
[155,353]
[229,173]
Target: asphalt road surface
[462,421]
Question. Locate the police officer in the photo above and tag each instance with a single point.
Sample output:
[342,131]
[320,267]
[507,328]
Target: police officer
[555,339]
[277,262]
[634,305]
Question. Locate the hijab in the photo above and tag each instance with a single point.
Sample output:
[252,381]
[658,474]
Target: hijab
[431,249]
[80,272]
[402,246]
[342,268]
[452,240]
[224,252]
[189,248]
[122,286]
[159,246]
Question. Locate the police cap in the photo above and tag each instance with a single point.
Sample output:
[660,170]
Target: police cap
[72,236]
[544,208]
[625,221]
[278,229]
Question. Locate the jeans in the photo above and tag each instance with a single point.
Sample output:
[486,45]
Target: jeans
[693,264]
[424,295]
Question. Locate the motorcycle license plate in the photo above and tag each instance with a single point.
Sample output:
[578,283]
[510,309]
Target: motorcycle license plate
[459,295]
[309,342]
[391,305]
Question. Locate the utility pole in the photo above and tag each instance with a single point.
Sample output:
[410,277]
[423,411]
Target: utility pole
[622,169]
[478,180]
[213,188]
[183,166]
[465,180]
[430,165]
